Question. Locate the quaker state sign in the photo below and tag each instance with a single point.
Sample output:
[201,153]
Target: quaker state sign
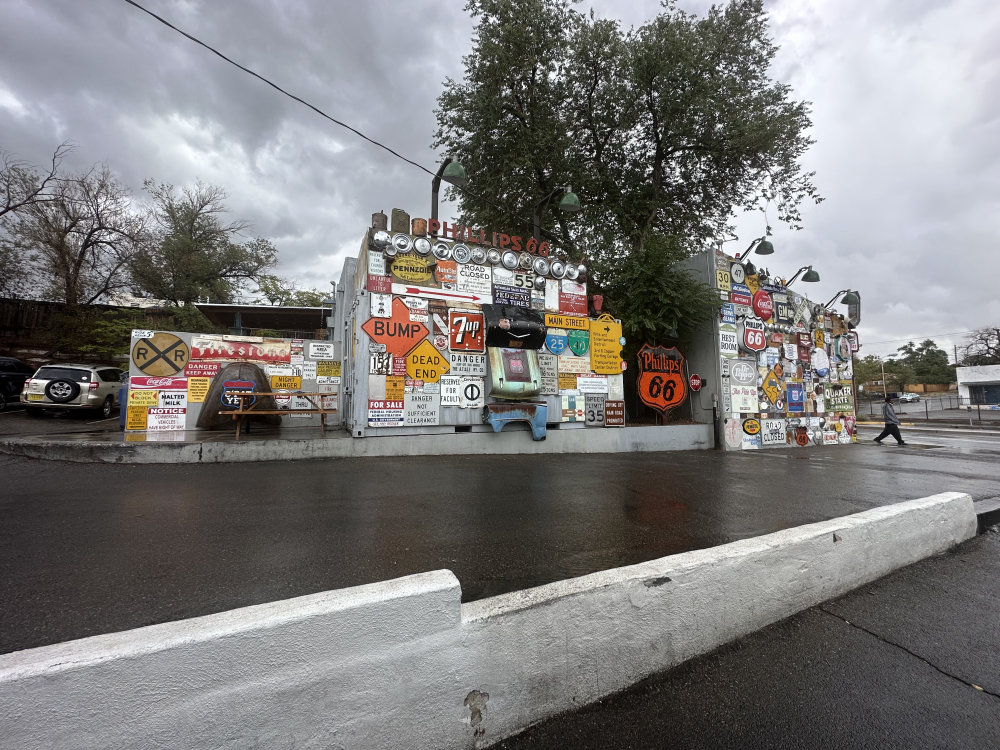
[662,384]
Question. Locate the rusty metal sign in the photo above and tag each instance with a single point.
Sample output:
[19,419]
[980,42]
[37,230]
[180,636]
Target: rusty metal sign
[661,384]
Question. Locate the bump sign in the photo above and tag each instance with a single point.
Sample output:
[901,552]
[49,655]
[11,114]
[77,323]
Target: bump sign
[397,332]
[426,363]
[160,354]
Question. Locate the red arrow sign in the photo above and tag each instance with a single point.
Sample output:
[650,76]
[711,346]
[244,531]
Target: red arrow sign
[398,333]
[423,291]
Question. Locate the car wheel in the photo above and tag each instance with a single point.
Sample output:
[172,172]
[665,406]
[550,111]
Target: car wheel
[33,411]
[62,391]
[107,407]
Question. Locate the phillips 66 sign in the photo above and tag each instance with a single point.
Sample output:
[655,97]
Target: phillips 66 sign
[662,384]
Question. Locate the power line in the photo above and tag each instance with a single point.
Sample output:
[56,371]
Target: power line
[923,336]
[320,112]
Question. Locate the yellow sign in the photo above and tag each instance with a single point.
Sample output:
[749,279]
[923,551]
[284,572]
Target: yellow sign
[135,417]
[819,338]
[723,280]
[198,389]
[160,355]
[328,368]
[395,387]
[413,269]
[772,387]
[753,282]
[143,399]
[567,321]
[605,345]
[567,381]
[426,363]
[286,382]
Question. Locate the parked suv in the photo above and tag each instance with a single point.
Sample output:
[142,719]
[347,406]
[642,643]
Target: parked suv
[13,373]
[72,387]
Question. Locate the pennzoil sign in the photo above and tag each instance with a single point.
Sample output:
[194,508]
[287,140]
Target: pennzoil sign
[662,384]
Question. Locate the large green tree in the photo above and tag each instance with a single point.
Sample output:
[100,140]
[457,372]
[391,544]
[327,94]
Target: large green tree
[194,253]
[928,363]
[663,132]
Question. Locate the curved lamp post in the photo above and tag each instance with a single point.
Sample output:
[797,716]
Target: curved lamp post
[762,245]
[850,298]
[449,171]
[809,276]
[568,203]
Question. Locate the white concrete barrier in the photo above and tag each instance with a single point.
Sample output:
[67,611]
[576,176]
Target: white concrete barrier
[402,664]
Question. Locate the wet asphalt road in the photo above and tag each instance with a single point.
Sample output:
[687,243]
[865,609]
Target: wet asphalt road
[87,549]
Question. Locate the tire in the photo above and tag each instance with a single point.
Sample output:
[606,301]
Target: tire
[62,391]
[33,411]
[106,408]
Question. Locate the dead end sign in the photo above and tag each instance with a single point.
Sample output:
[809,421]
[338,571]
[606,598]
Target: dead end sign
[397,332]
[426,363]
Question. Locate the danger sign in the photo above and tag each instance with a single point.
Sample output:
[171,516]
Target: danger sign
[397,332]
[160,354]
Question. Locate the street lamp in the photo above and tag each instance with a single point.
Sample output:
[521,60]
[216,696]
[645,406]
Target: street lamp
[449,171]
[762,245]
[850,298]
[568,203]
[809,276]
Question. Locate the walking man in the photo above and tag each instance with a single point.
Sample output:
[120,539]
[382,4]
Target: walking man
[891,423]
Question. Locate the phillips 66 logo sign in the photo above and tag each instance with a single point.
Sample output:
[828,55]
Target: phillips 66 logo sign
[661,384]
[753,335]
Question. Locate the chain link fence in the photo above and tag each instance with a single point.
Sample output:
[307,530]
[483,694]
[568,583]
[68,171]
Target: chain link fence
[946,408]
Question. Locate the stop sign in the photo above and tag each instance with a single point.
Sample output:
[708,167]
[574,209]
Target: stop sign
[696,382]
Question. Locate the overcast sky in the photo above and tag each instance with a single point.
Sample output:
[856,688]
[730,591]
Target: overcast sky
[905,111]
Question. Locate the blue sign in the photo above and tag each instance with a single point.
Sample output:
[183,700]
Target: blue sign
[729,313]
[556,342]
[741,289]
[231,401]
[796,393]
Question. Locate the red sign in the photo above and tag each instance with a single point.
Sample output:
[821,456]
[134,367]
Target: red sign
[161,384]
[753,335]
[398,332]
[696,382]
[379,284]
[466,331]
[763,305]
[661,383]
[202,369]
[739,298]
[614,413]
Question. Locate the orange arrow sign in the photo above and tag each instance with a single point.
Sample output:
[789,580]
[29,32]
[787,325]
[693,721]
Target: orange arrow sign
[398,332]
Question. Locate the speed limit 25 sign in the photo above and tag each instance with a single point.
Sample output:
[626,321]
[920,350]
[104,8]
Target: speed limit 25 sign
[662,384]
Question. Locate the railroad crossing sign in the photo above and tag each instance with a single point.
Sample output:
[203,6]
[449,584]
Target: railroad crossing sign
[160,354]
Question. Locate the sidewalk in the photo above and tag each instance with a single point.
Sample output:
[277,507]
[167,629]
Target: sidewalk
[910,661]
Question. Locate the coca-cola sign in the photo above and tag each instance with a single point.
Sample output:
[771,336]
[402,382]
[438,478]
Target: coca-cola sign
[157,384]
[763,306]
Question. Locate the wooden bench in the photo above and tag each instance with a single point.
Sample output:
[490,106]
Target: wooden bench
[244,410]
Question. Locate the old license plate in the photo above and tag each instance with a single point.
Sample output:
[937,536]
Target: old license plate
[35,397]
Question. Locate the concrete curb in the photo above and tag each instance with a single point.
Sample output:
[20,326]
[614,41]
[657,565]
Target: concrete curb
[402,664]
[510,441]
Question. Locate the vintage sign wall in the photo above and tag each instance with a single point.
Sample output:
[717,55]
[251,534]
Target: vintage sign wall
[446,349]
[786,364]
[174,376]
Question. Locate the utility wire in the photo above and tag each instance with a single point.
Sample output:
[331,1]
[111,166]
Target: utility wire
[320,112]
